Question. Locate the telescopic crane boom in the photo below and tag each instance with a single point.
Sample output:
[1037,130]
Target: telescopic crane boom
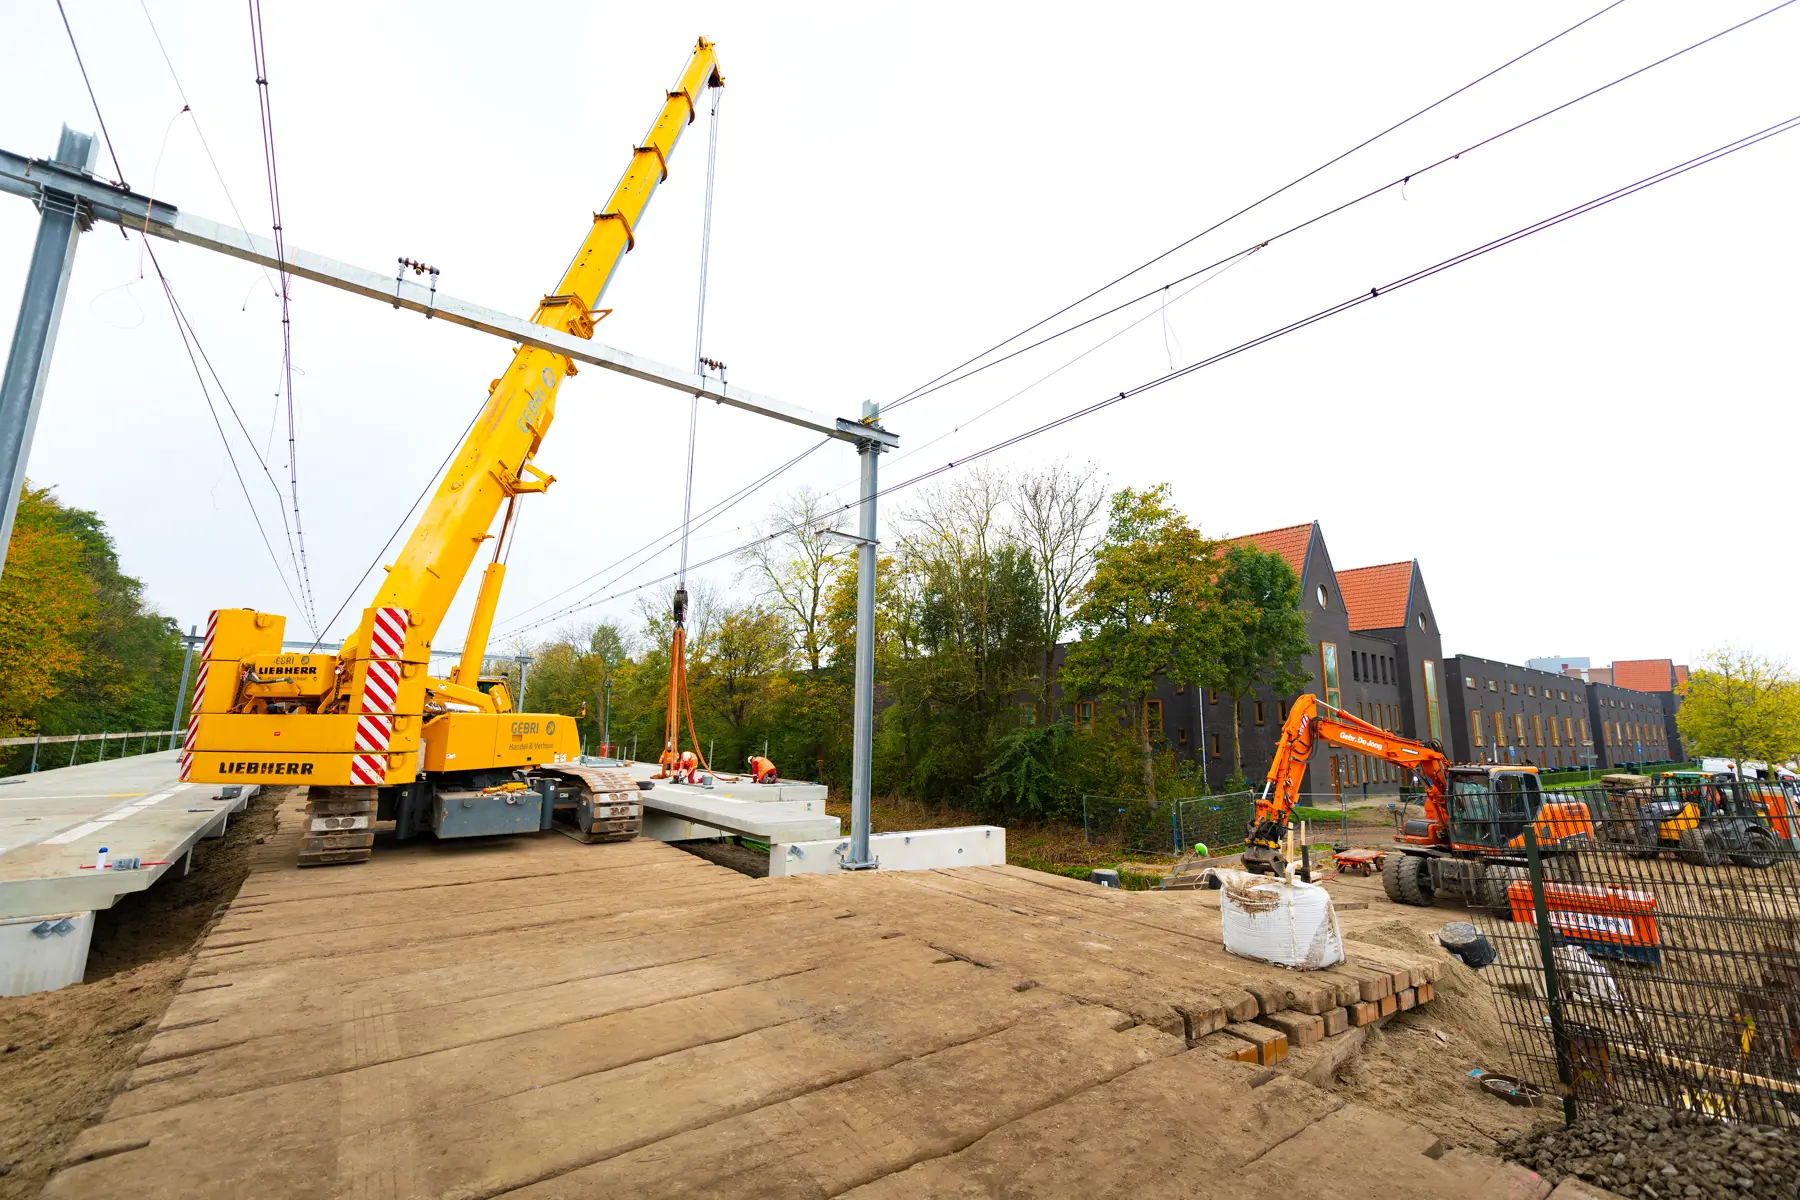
[367,729]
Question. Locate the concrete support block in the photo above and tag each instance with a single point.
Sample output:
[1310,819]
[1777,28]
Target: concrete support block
[43,953]
[917,850]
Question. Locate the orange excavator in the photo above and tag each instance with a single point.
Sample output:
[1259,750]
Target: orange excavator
[1469,842]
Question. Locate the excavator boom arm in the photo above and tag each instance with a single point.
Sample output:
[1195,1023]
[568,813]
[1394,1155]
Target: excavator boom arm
[1311,721]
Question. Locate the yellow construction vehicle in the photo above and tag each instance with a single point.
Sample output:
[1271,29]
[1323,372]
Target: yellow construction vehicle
[367,729]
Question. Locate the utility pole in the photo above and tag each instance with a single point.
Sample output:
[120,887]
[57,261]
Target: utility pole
[62,219]
[190,639]
[863,728]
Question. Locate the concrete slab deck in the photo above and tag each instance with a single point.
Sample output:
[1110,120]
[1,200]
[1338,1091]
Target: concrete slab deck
[53,823]
[529,1016]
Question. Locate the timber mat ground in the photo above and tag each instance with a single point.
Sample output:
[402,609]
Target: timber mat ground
[68,1052]
[426,1024]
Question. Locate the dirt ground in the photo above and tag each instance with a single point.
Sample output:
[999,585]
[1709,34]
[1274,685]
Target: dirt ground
[1418,1063]
[68,1052]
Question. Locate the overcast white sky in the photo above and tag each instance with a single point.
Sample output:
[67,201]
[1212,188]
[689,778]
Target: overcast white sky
[1586,439]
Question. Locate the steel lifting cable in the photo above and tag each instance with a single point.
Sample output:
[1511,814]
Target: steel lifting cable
[679,705]
[287,344]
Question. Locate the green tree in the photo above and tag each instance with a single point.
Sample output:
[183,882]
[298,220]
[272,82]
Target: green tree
[968,635]
[1266,634]
[1740,705]
[1151,609]
[749,646]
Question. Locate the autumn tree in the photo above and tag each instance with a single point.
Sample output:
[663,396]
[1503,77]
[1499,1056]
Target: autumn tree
[81,650]
[1152,608]
[1265,634]
[794,567]
[1740,705]
[1058,524]
[47,606]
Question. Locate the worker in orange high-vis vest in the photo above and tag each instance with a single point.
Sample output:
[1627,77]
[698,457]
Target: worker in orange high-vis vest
[762,770]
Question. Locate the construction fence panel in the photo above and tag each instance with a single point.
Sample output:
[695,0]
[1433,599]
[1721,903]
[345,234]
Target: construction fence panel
[1646,944]
[1171,826]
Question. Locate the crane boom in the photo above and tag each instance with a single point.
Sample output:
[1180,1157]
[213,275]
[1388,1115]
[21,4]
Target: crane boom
[494,462]
[367,730]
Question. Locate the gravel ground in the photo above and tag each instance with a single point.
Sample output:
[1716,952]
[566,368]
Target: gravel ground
[1659,1156]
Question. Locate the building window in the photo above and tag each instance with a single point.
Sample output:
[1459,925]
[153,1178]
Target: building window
[1513,688]
[1281,710]
[1180,689]
[1328,658]
[1181,735]
[1215,745]
[1212,697]
[1555,736]
[1537,730]
[1519,728]
[1324,597]
[1475,728]
[1531,689]
[1606,731]
[1431,700]
[1156,725]
[1028,715]
[1421,622]
[1259,712]
[1469,682]
[1561,695]
[1493,685]
[1499,729]
[1084,716]
[1569,730]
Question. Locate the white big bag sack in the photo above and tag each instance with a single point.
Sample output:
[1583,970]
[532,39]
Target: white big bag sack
[1279,920]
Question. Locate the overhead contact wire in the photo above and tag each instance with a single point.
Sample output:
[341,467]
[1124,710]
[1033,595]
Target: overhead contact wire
[907,397]
[1324,314]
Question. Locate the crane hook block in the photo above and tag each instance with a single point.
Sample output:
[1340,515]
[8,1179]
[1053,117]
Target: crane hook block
[680,606]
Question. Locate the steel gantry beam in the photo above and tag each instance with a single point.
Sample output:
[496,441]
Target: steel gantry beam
[71,200]
[34,177]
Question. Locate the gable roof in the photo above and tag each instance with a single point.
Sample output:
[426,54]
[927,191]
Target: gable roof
[1375,597]
[1290,542]
[1644,674]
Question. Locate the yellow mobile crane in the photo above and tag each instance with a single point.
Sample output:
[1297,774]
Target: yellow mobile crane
[367,729]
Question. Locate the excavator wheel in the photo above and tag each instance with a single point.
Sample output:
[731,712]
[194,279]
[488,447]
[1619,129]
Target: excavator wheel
[1390,877]
[340,826]
[1407,880]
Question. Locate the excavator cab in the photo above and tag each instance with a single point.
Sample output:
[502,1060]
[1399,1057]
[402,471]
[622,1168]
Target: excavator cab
[1490,807]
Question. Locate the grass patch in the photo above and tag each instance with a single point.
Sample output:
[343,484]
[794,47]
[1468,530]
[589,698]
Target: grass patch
[1054,846]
